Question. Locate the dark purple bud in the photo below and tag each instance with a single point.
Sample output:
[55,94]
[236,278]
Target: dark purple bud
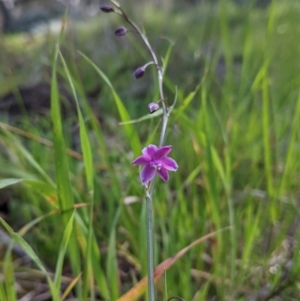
[153,106]
[106,8]
[139,72]
[120,31]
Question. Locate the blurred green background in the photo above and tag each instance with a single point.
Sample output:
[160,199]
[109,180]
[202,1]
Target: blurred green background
[234,131]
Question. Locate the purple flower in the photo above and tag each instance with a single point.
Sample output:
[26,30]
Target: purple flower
[106,8]
[139,72]
[153,107]
[120,31]
[155,161]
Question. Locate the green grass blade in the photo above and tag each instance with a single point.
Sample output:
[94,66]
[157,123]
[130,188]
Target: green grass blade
[9,279]
[64,189]
[34,222]
[291,156]
[218,165]
[29,251]
[85,144]
[8,265]
[61,160]
[62,250]
[167,58]
[30,159]
[8,182]
[186,101]
[251,231]
[111,266]
[88,161]
[145,117]
[99,273]
[2,291]
[47,191]
[266,133]
[210,177]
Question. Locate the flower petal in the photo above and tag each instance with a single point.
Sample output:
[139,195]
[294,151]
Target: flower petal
[153,107]
[106,8]
[141,160]
[163,174]
[139,72]
[121,31]
[169,164]
[162,152]
[149,150]
[147,174]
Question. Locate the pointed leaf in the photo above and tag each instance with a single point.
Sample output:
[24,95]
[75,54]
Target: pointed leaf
[8,182]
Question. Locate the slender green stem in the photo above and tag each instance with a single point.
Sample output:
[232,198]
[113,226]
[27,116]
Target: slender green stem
[150,262]
[149,206]
[163,128]
[149,192]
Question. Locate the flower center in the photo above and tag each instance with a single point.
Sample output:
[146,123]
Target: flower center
[156,164]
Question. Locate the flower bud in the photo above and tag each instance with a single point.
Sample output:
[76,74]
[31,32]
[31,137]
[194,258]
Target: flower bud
[121,31]
[139,72]
[153,107]
[106,8]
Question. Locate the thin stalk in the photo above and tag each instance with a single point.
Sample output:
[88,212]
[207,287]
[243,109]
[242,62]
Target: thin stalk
[154,57]
[150,262]
[149,206]
[150,190]
[163,128]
